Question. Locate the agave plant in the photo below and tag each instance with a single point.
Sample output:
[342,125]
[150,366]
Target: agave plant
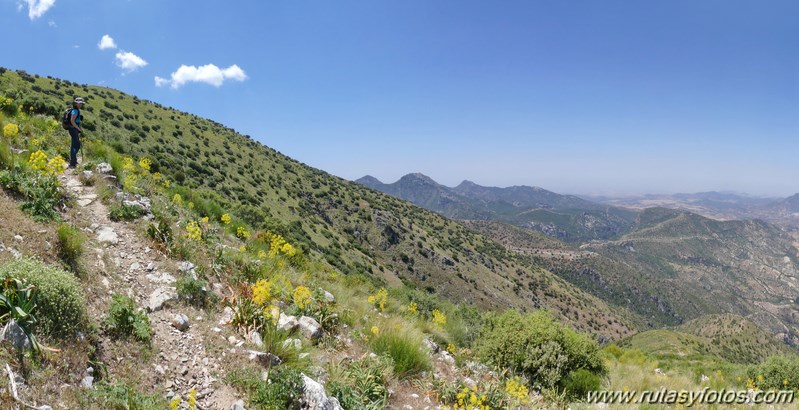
[17,303]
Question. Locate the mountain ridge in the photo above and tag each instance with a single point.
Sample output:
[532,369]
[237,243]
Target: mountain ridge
[565,217]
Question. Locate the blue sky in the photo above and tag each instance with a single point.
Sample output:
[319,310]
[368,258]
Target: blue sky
[573,96]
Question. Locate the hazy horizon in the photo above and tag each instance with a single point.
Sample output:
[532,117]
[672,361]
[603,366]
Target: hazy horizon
[601,97]
[595,193]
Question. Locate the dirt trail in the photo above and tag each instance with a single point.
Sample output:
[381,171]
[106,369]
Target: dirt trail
[122,263]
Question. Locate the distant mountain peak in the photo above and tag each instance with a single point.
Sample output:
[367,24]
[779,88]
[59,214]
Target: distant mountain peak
[466,184]
[417,176]
[368,180]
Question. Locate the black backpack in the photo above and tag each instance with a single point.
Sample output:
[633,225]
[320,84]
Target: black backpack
[66,119]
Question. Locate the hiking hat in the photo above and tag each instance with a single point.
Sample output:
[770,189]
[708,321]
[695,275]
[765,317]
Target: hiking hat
[79,100]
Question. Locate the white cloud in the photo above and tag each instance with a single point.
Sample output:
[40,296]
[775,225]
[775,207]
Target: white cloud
[129,62]
[209,74]
[52,24]
[106,42]
[36,8]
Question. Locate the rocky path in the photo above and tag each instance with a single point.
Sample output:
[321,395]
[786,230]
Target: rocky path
[123,263]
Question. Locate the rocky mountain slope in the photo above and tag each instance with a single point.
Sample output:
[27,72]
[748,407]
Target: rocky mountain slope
[677,266]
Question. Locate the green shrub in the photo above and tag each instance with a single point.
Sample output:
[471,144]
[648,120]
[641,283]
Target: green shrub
[538,347]
[405,351]
[578,383]
[70,246]
[281,391]
[40,193]
[120,397]
[122,212]
[42,196]
[60,304]
[161,233]
[362,384]
[6,158]
[775,372]
[194,292]
[124,320]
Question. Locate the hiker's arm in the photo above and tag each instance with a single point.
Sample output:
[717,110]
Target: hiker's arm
[72,120]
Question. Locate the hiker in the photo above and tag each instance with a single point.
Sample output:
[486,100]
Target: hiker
[75,131]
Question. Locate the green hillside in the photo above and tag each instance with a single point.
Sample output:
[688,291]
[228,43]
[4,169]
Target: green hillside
[730,337]
[353,228]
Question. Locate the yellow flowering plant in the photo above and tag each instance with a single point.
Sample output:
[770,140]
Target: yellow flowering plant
[262,292]
[10,130]
[439,319]
[379,299]
[302,297]
[194,232]
[56,165]
[127,164]
[412,309]
[225,218]
[145,164]
[38,161]
[516,389]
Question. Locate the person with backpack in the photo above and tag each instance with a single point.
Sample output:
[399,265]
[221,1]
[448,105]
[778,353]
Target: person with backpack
[71,122]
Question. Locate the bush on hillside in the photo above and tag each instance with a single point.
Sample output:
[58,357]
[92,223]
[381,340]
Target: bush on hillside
[70,246]
[60,304]
[194,292]
[124,320]
[777,372]
[404,350]
[536,346]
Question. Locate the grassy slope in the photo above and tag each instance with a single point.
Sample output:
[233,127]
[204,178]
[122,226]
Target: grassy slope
[351,227]
[731,337]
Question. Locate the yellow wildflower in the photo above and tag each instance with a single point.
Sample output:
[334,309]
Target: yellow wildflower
[412,309]
[38,161]
[177,200]
[261,292]
[175,403]
[194,231]
[261,254]
[242,248]
[56,165]
[375,330]
[127,164]
[190,205]
[192,399]
[439,319]
[204,219]
[302,297]
[242,232]
[225,219]
[157,176]
[379,299]
[10,130]
[517,391]
[145,164]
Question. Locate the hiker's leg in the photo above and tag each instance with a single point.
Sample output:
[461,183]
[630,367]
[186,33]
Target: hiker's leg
[73,152]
